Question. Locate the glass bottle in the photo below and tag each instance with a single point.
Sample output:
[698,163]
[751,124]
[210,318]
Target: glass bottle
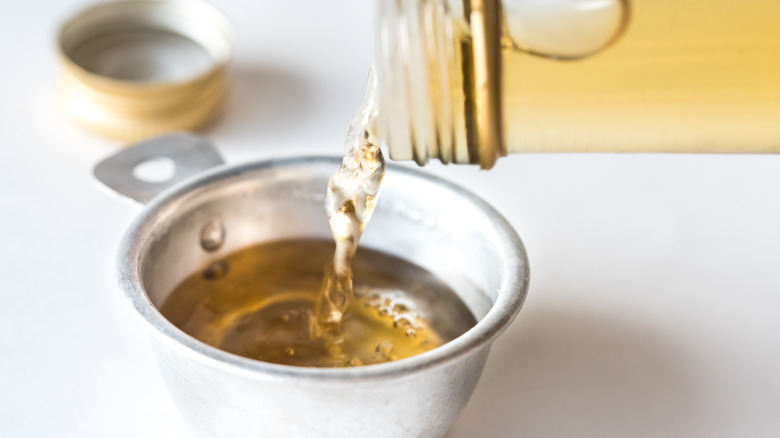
[469,81]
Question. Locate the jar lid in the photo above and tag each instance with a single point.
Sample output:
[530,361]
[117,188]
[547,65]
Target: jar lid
[136,68]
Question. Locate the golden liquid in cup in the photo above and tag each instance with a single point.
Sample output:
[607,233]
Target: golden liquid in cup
[259,302]
[312,302]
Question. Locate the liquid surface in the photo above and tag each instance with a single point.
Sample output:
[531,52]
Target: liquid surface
[260,302]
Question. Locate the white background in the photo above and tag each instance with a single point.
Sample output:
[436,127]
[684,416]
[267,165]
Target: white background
[654,308]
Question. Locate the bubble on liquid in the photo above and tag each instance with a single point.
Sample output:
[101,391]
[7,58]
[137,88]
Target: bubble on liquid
[289,351]
[216,270]
[384,311]
[402,321]
[355,362]
[371,300]
[286,317]
[411,333]
[384,350]
[400,308]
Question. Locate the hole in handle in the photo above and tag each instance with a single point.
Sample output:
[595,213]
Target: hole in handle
[155,170]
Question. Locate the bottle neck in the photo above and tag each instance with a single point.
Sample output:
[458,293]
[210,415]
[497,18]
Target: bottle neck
[438,65]
[438,70]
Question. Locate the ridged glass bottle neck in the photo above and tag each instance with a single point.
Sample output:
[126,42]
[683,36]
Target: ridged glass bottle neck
[417,68]
[439,72]
[438,66]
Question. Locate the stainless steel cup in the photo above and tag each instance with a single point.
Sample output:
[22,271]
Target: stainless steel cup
[428,221]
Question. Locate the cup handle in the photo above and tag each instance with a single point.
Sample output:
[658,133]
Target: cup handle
[189,153]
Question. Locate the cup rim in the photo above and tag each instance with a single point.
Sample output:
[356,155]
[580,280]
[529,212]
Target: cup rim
[511,293]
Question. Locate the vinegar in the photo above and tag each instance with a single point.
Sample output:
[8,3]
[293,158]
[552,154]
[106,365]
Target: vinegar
[685,76]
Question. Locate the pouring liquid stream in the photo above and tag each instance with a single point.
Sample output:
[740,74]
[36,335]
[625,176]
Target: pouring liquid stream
[352,195]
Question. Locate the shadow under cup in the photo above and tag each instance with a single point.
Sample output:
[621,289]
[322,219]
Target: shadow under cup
[429,222]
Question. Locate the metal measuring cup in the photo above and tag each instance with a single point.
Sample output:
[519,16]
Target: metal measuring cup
[202,215]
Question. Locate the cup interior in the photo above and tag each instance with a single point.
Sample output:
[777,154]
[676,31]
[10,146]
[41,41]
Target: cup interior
[424,220]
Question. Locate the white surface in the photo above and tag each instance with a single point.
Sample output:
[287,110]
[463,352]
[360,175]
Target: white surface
[653,309]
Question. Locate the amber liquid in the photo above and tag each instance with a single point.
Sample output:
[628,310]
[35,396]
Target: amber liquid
[689,76]
[353,191]
[686,76]
[313,303]
[260,303]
